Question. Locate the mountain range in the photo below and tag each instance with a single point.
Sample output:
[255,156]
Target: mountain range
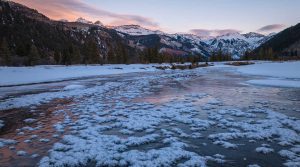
[29,38]
[235,44]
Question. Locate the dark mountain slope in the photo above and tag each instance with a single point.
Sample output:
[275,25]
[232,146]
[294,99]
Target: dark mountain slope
[32,38]
[284,44]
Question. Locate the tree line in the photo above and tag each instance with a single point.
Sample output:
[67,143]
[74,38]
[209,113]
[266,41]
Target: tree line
[89,53]
[269,54]
[154,55]
[220,56]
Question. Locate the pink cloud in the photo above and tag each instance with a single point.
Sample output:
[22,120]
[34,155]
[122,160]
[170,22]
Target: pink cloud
[272,28]
[72,9]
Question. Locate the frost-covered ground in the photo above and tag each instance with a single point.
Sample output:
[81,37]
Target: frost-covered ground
[200,117]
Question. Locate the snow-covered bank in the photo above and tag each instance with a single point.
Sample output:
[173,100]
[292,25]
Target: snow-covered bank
[284,74]
[38,74]
[282,70]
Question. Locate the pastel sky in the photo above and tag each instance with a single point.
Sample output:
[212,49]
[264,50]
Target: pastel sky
[202,17]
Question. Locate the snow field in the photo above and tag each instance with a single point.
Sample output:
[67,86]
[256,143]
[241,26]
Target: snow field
[283,74]
[38,74]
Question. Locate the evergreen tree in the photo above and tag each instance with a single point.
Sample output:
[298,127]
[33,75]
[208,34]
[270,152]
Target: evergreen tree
[269,54]
[124,55]
[111,56]
[5,53]
[33,56]
[291,53]
[120,53]
[212,57]
[219,55]
[261,54]
[66,57]
[93,53]
[155,52]
[161,58]
[149,55]
[247,55]
[21,49]
[57,57]
[74,55]
[142,57]
[171,59]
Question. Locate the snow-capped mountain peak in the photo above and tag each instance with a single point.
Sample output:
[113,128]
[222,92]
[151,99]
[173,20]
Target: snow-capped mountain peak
[135,30]
[236,44]
[253,35]
[82,20]
[231,36]
[254,39]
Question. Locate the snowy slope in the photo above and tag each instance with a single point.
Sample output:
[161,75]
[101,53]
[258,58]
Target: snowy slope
[135,30]
[236,44]
[195,43]
[181,44]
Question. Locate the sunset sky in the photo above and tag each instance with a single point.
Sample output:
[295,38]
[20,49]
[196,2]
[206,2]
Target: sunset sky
[203,17]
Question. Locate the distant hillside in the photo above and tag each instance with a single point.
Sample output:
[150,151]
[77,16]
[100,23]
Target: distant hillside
[28,38]
[283,44]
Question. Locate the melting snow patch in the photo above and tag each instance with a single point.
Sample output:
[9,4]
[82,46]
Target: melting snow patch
[29,120]
[4,142]
[225,144]
[44,140]
[59,127]
[292,155]
[33,136]
[21,153]
[71,87]
[216,158]
[264,150]
[34,155]
[253,165]
[27,141]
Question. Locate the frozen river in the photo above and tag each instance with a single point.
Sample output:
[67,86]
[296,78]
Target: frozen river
[200,117]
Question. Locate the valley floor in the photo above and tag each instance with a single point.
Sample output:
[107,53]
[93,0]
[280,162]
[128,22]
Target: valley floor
[215,116]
